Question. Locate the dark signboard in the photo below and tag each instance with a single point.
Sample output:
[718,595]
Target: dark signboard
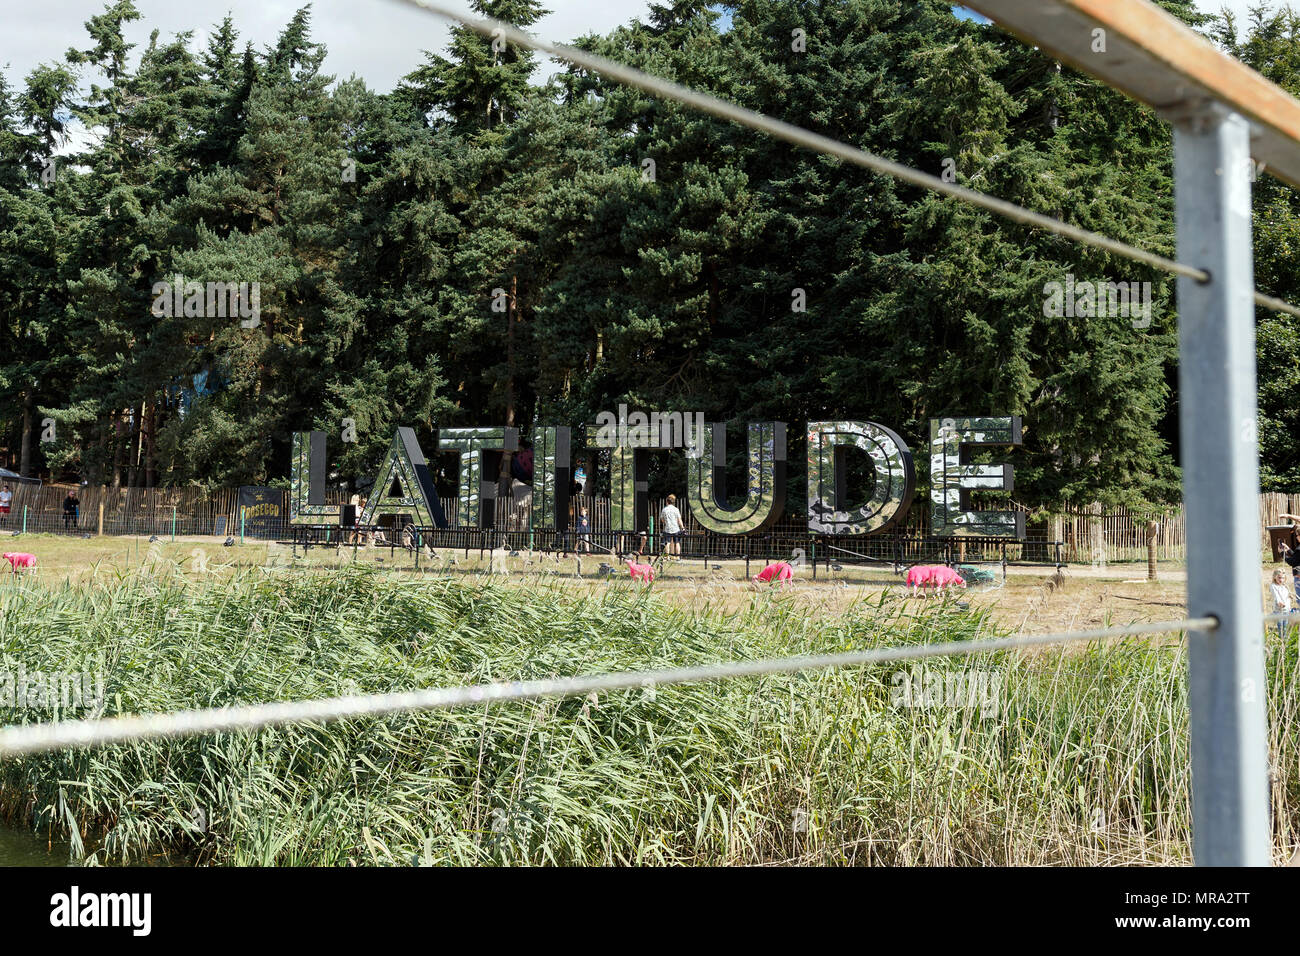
[261,510]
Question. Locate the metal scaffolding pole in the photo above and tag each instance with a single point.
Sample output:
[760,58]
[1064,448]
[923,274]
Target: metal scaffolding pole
[1220,459]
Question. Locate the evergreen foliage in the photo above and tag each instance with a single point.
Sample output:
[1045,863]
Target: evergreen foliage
[477,247]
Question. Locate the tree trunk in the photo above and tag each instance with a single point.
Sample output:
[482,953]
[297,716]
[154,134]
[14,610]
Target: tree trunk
[150,455]
[1153,532]
[25,456]
[1055,533]
[137,453]
[118,446]
[511,319]
[93,469]
[503,478]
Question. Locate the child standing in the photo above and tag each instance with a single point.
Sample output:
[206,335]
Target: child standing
[584,531]
[1281,599]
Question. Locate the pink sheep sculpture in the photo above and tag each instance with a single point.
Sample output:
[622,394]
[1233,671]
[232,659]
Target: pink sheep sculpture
[20,559]
[779,572]
[932,577]
[641,572]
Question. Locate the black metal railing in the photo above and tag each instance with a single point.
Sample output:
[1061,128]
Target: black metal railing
[894,552]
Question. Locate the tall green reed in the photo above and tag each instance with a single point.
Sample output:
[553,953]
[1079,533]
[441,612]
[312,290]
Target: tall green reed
[1083,760]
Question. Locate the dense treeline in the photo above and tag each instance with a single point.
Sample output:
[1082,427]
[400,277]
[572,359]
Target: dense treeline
[475,248]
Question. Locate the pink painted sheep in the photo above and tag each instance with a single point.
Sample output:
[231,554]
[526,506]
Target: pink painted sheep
[930,577]
[778,571]
[942,577]
[918,576]
[641,572]
[20,559]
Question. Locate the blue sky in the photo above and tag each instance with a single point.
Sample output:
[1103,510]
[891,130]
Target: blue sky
[966,14]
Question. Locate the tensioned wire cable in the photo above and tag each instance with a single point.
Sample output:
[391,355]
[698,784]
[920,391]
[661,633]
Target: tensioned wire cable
[15,741]
[34,738]
[707,103]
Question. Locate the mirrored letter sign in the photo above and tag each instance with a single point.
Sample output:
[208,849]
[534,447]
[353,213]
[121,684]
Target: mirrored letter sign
[307,482]
[405,467]
[474,491]
[706,480]
[552,472]
[629,469]
[952,481]
[828,510]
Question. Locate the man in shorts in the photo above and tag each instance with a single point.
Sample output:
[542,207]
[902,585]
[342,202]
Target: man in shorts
[670,523]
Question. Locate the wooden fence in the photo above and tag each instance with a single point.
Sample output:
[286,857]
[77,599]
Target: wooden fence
[1092,534]
[105,510]
[1088,532]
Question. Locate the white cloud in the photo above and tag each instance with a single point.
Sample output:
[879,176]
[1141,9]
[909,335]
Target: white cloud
[379,40]
[1241,8]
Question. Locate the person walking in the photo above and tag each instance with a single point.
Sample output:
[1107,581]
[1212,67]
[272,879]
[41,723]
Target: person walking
[670,521]
[356,503]
[584,531]
[71,508]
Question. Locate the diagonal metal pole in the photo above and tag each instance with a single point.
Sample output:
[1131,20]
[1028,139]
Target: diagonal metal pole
[1216,382]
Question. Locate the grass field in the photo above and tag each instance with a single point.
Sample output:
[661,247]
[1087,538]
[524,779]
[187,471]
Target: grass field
[1079,756]
[1029,600]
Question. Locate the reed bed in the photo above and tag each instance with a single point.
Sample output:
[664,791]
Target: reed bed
[1082,760]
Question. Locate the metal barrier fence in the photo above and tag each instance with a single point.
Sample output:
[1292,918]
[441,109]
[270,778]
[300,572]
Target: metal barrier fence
[893,552]
[1088,533]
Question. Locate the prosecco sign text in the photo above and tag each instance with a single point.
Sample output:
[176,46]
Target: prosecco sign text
[404,485]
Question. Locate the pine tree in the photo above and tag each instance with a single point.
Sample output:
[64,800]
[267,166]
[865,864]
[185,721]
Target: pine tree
[270,218]
[1273,47]
[475,248]
[484,81]
[38,192]
[383,337]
